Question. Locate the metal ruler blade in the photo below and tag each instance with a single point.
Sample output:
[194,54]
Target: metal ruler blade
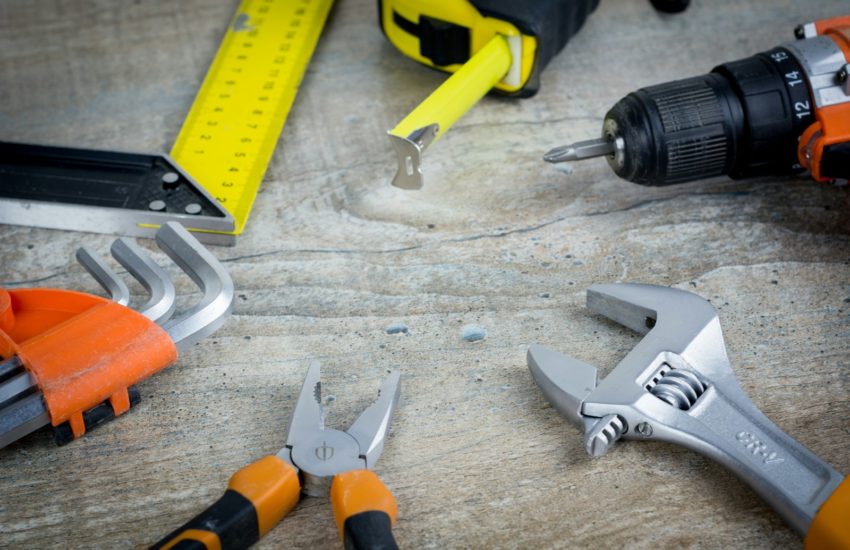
[228,138]
[210,180]
[104,192]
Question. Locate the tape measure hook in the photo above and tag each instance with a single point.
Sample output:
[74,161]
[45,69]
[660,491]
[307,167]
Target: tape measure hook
[409,155]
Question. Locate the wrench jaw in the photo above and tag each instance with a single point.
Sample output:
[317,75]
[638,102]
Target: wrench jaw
[663,374]
[640,307]
[676,323]
[566,382]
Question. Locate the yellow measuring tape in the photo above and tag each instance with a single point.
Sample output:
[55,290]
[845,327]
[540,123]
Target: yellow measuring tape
[434,116]
[228,138]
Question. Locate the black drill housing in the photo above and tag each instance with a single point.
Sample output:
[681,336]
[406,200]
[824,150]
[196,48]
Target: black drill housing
[743,119]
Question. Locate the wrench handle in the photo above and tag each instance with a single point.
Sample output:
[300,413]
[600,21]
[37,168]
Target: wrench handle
[732,430]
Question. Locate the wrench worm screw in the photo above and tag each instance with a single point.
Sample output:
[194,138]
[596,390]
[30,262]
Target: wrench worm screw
[679,388]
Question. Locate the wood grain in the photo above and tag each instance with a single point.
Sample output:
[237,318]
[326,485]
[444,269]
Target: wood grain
[333,255]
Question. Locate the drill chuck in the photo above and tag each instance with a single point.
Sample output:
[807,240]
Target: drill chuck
[738,120]
[780,112]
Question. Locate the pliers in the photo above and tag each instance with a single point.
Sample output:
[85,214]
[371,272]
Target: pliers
[315,461]
[677,385]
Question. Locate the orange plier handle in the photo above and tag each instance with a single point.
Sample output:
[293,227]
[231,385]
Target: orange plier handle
[261,494]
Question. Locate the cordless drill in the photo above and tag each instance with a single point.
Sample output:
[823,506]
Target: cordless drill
[780,112]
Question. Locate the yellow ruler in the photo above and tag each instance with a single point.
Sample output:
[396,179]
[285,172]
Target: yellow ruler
[228,138]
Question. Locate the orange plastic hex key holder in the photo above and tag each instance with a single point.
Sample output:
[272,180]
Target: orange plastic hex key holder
[71,359]
[315,461]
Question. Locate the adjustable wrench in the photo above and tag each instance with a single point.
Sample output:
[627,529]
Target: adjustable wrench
[677,385]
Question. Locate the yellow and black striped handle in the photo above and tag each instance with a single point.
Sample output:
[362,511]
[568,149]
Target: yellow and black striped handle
[365,511]
[258,496]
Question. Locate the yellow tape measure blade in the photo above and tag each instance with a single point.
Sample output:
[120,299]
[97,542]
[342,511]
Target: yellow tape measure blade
[230,134]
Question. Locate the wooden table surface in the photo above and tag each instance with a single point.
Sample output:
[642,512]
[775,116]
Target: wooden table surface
[498,239]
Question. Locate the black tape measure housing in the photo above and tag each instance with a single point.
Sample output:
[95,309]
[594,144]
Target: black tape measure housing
[552,22]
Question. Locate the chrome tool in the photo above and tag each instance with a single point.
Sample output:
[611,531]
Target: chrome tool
[677,385]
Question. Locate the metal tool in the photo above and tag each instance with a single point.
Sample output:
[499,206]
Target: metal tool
[71,359]
[783,111]
[677,385]
[488,45]
[104,192]
[317,462]
[213,173]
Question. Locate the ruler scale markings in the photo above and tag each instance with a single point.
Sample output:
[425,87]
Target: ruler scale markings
[231,131]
